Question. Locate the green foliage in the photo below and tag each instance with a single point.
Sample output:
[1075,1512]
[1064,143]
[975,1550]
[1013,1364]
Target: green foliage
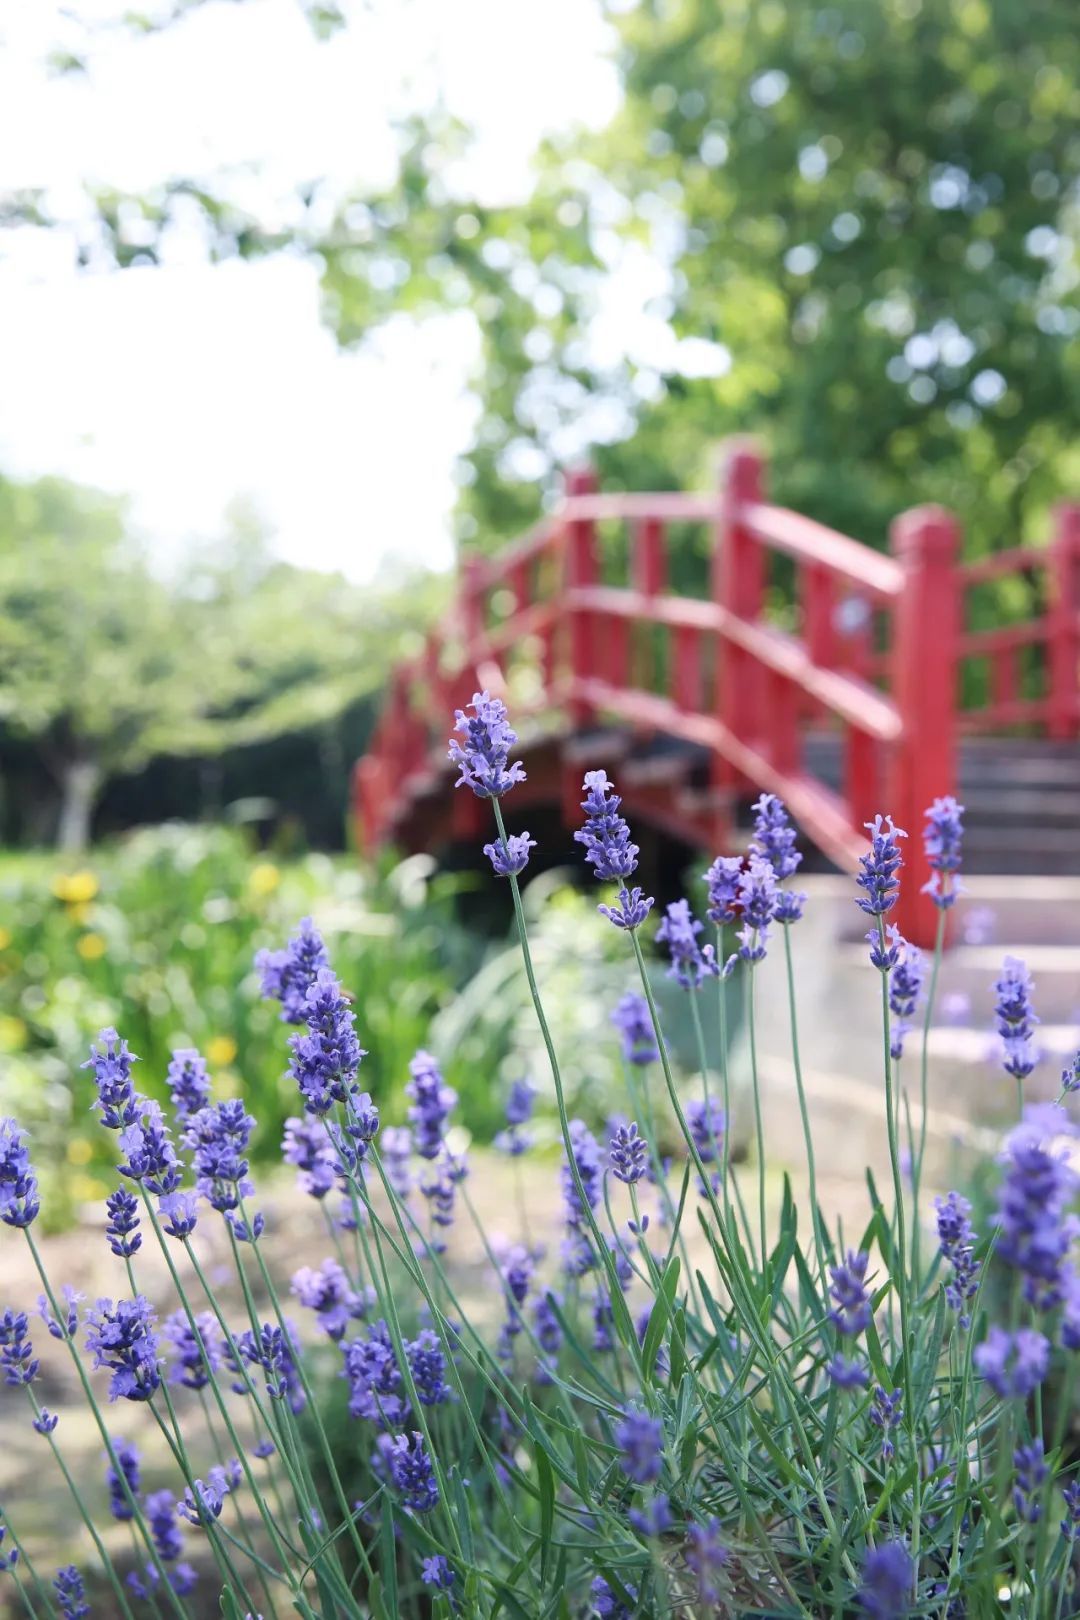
[157,938]
[868,211]
[105,666]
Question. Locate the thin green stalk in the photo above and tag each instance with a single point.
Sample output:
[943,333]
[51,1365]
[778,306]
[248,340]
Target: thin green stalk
[110,1449]
[759,1128]
[900,1274]
[804,1111]
[620,1313]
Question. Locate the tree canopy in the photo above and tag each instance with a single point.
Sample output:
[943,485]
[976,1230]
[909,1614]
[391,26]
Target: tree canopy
[106,665]
[861,226]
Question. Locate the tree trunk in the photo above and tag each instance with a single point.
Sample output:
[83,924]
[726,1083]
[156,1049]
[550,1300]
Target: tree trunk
[80,784]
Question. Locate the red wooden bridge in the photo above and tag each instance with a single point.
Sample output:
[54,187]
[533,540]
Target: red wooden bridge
[845,679]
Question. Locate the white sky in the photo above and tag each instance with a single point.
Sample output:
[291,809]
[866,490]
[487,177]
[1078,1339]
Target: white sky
[190,385]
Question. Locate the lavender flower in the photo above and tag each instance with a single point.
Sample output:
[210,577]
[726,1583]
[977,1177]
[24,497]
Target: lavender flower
[432,1101]
[436,1572]
[578,1252]
[640,1439]
[46,1421]
[888,1583]
[609,851]
[482,757]
[149,1156]
[852,1311]
[8,1560]
[111,1062]
[328,1292]
[1013,1364]
[546,1323]
[942,837]
[690,965]
[1016,1018]
[878,875]
[122,1226]
[846,1373]
[218,1137]
[1031,1475]
[16,1350]
[122,1338]
[325,1059]
[274,1353]
[1070,1525]
[202,1503]
[70,1593]
[905,987]
[628,1153]
[886,1414]
[707,1125]
[706,1557]
[427,1363]
[120,1500]
[64,1329]
[510,855]
[197,1353]
[180,1214]
[605,1604]
[884,949]
[288,975]
[634,1023]
[19,1202]
[957,1239]
[412,1473]
[189,1084]
[374,1377]
[440,1188]
[160,1508]
[1070,1077]
[774,839]
[307,1145]
[519,1108]
[722,880]
[654,1518]
[758,895]
[1037,1187]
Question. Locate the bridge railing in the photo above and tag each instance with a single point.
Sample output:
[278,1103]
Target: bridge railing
[803,631]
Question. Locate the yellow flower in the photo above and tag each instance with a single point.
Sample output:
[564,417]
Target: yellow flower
[5,938]
[75,887]
[220,1051]
[91,947]
[12,1034]
[79,1150]
[264,878]
[86,1189]
[78,913]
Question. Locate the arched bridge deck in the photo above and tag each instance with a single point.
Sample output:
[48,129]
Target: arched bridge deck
[845,679]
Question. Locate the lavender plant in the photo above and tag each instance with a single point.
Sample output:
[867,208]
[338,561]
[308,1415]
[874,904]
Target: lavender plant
[682,1411]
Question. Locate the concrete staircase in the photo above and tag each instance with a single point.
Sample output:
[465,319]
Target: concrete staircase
[971,1099]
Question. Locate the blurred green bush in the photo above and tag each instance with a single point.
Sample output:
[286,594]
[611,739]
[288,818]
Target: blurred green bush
[156,934]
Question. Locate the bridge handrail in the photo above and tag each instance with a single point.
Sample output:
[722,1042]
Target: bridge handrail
[873,645]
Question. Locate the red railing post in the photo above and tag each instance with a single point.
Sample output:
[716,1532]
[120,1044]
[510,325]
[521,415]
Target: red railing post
[1063,721]
[924,680]
[738,585]
[582,569]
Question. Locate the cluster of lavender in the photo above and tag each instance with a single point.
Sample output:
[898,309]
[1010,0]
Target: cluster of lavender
[678,1414]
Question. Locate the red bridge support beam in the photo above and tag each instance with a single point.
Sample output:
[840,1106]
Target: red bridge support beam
[1063,720]
[738,584]
[925,648]
[582,568]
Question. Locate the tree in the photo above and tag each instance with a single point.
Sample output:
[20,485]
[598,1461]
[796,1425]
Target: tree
[866,220]
[105,666]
